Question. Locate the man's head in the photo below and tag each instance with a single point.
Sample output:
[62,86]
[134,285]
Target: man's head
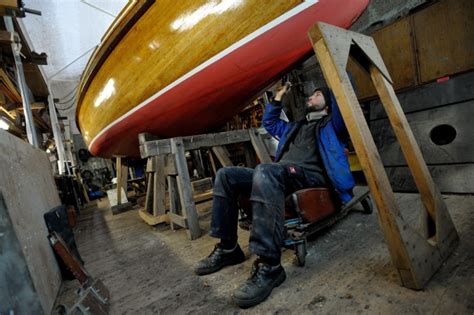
[319,100]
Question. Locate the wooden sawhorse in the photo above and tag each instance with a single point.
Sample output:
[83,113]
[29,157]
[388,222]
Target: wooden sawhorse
[416,254]
[167,166]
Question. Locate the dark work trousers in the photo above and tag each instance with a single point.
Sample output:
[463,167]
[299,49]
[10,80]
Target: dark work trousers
[266,185]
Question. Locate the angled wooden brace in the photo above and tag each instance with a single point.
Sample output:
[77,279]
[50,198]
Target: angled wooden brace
[417,255]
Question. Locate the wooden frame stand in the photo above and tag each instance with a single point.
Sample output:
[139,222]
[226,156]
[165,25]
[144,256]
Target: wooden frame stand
[122,171]
[167,166]
[416,254]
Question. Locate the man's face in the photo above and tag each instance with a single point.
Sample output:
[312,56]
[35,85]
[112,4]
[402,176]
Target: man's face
[316,101]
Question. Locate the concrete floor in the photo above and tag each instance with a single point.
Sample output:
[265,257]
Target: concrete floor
[348,269]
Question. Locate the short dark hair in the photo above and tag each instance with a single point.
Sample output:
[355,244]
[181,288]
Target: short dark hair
[326,94]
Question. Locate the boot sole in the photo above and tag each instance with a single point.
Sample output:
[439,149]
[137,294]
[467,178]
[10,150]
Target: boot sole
[249,303]
[204,272]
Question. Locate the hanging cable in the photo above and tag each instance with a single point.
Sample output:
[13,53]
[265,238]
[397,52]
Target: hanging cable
[68,94]
[66,101]
[72,102]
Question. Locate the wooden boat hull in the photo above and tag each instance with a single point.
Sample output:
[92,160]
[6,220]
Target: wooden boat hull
[206,77]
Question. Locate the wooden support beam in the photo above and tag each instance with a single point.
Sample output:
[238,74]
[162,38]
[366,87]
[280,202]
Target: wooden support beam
[415,256]
[151,219]
[259,146]
[222,155]
[149,193]
[119,180]
[174,198]
[185,190]
[159,185]
[166,160]
[151,148]
[9,88]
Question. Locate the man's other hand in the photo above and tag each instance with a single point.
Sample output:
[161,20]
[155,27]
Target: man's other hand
[282,90]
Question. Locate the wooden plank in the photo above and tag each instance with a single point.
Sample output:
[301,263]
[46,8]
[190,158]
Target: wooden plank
[10,3]
[29,190]
[259,147]
[432,199]
[150,167]
[173,197]
[170,165]
[455,90]
[433,129]
[145,137]
[202,184]
[213,162]
[119,180]
[149,193]
[455,178]
[151,219]
[156,147]
[179,220]
[14,271]
[8,88]
[206,195]
[444,35]
[159,185]
[222,155]
[184,188]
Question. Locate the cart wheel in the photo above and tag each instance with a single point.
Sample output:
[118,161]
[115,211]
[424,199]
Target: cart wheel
[300,254]
[367,205]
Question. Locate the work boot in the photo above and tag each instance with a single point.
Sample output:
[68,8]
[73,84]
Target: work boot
[218,259]
[263,278]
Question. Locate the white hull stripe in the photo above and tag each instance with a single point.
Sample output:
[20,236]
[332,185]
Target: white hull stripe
[222,54]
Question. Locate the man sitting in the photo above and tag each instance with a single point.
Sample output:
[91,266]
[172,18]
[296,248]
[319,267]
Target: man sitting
[310,153]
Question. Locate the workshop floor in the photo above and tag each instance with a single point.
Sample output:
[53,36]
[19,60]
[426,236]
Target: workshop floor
[348,269]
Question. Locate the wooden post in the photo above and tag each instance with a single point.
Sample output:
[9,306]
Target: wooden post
[174,200]
[159,185]
[259,147]
[150,171]
[119,180]
[222,155]
[415,257]
[122,173]
[185,190]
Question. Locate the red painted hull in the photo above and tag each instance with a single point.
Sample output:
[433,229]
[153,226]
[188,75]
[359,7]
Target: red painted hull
[213,95]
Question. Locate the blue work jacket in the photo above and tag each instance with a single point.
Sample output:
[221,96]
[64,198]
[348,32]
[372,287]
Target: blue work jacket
[332,139]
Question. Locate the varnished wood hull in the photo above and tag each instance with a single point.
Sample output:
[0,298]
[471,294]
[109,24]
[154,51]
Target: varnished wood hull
[188,78]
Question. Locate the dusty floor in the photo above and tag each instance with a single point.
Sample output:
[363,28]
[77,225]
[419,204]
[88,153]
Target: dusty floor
[348,270]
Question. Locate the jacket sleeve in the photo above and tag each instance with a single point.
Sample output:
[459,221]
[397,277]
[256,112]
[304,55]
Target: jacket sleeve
[271,119]
[336,119]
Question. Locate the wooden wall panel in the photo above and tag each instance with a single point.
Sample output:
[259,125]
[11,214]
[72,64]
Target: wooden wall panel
[395,44]
[445,38]
[435,42]
[28,188]
[14,274]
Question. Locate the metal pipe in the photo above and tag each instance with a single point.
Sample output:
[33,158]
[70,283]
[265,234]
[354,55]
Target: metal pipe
[58,139]
[30,127]
[56,132]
